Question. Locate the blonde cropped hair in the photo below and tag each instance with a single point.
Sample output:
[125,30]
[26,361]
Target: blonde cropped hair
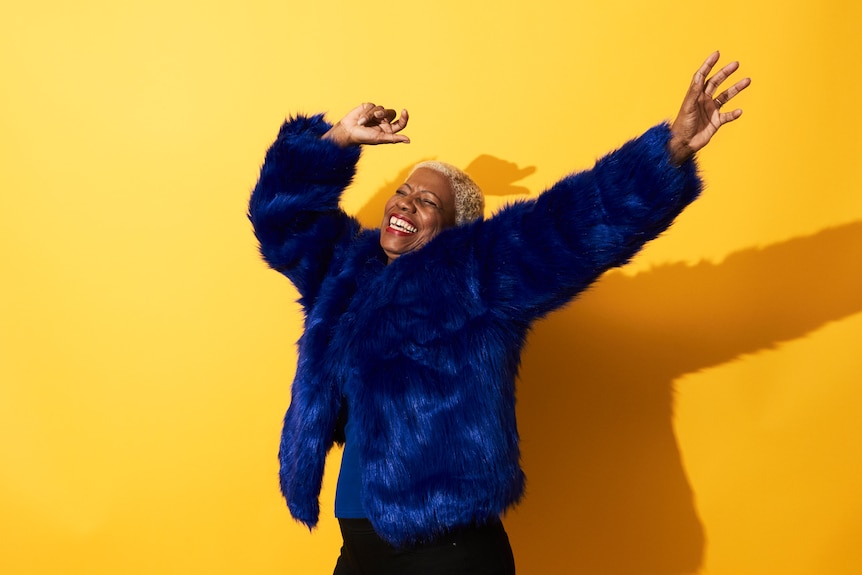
[469,201]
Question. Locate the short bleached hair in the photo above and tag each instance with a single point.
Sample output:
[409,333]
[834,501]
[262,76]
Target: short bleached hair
[469,200]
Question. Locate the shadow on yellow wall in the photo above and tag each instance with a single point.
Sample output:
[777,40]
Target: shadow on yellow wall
[597,387]
[496,177]
[607,489]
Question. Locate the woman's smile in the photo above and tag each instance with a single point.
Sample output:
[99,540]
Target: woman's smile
[399,225]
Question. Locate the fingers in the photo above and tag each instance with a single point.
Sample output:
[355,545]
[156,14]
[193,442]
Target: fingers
[390,129]
[397,139]
[725,97]
[709,86]
[726,117]
[393,136]
[401,123]
[364,111]
[713,83]
[705,69]
[375,124]
[373,115]
[731,116]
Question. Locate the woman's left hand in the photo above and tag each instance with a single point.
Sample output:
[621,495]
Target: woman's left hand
[700,115]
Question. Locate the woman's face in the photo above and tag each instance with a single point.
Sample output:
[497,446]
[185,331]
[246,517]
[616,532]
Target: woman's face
[421,208]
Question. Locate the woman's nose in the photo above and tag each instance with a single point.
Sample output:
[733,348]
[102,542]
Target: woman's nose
[406,204]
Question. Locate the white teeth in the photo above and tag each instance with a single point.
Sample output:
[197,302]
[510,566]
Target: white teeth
[401,225]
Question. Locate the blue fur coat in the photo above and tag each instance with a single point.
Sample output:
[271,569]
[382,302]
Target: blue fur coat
[425,351]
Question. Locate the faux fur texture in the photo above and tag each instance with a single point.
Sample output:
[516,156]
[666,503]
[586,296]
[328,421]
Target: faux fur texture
[426,350]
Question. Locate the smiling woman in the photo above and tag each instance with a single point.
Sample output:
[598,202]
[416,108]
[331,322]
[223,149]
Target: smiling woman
[414,331]
[421,208]
[435,196]
[439,196]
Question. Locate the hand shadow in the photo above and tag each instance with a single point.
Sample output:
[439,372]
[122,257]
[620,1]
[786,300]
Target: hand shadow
[607,490]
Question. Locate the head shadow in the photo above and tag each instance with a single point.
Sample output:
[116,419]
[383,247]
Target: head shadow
[494,176]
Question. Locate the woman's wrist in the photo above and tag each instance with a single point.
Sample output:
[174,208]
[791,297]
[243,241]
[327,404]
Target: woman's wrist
[338,134]
[679,151]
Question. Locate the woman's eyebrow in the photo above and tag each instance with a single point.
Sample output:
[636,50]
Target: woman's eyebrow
[423,190]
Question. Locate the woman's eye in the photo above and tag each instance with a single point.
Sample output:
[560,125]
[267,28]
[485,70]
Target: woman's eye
[430,203]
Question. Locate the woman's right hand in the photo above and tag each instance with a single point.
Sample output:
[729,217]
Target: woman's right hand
[369,124]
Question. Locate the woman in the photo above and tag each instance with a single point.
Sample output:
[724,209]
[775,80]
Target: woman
[413,331]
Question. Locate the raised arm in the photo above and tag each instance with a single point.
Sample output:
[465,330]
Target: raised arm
[539,254]
[294,206]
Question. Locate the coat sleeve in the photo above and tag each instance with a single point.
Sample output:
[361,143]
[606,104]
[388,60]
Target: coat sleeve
[538,254]
[294,205]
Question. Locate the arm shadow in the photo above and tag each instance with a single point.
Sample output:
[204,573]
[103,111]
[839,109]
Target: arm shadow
[608,493]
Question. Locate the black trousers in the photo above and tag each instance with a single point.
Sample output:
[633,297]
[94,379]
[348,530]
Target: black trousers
[482,550]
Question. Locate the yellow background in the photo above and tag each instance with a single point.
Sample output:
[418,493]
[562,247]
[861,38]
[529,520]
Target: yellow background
[698,411]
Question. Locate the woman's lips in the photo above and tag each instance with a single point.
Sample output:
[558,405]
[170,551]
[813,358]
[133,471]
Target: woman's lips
[401,226]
